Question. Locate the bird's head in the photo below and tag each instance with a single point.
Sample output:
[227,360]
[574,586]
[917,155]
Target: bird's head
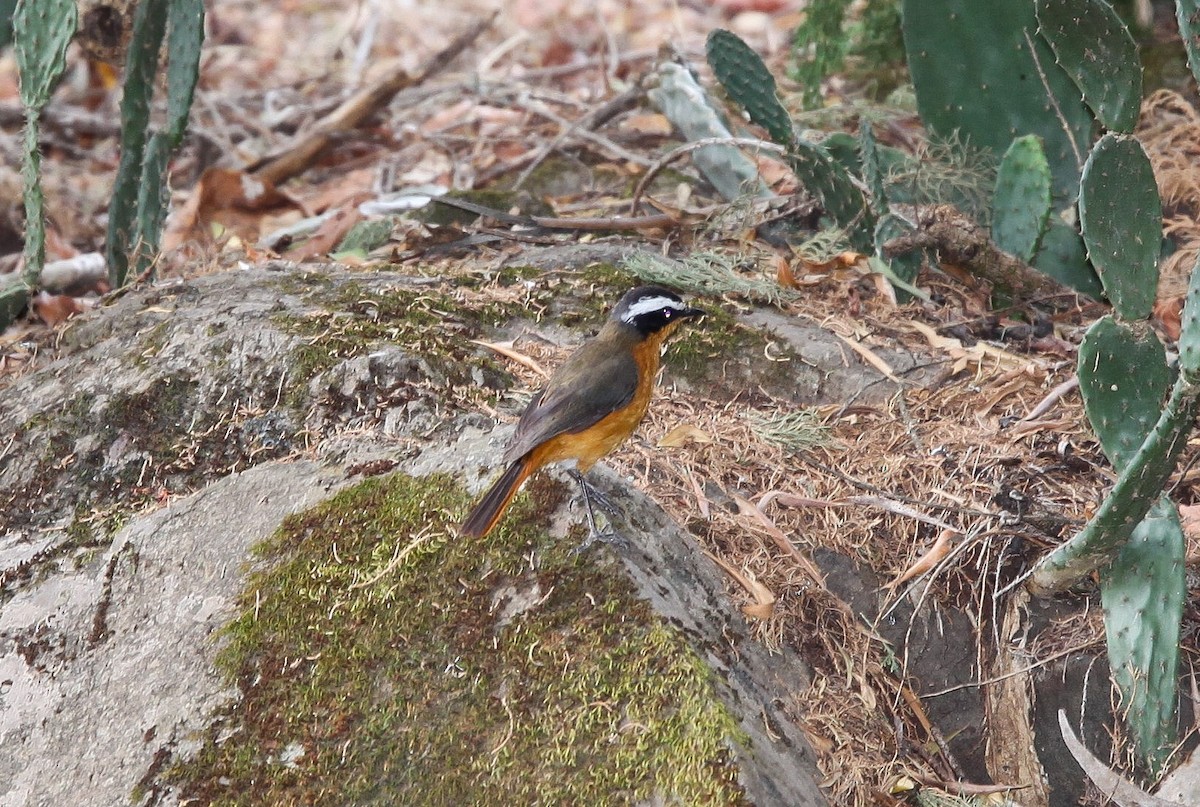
[652,310]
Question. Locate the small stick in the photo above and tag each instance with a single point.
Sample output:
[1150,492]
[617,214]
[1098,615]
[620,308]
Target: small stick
[687,148]
[358,108]
[592,120]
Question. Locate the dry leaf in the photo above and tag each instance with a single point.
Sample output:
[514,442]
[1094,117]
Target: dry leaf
[962,356]
[648,123]
[784,275]
[870,357]
[1169,313]
[683,434]
[941,547]
[227,201]
[55,309]
[1189,518]
[339,187]
[780,177]
[763,606]
[331,231]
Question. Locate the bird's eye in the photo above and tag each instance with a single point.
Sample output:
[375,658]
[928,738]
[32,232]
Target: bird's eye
[667,313]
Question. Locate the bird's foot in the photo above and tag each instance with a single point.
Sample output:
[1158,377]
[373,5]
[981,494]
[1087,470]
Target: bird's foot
[590,494]
[612,538]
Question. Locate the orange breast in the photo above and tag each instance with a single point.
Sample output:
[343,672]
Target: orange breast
[600,439]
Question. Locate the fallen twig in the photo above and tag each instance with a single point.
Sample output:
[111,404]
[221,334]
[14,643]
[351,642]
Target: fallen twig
[358,108]
[687,148]
[960,241]
[591,121]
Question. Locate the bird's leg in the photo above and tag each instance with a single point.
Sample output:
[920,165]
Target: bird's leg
[598,497]
[610,537]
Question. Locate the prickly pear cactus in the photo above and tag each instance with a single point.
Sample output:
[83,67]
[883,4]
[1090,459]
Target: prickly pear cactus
[1120,214]
[1143,589]
[1137,488]
[872,169]
[830,183]
[1097,51]
[1122,406]
[1187,12]
[1063,256]
[974,73]
[139,202]
[1189,337]
[888,226]
[149,25]
[185,20]
[42,29]
[1144,475]
[1021,202]
[748,81]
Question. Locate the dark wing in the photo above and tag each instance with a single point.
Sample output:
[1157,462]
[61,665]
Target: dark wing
[593,383]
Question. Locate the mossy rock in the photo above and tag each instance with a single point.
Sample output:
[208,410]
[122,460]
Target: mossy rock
[383,661]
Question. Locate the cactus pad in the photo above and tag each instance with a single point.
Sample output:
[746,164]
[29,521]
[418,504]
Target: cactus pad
[1021,203]
[1097,51]
[1063,257]
[1136,489]
[149,25]
[1122,406]
[1187,12]
[904,266]
[1189,334]
[872,169]
[42,30]
[1143,592]
[826,179]
[974,73]
[1120,214]
[748,82]
[185,19]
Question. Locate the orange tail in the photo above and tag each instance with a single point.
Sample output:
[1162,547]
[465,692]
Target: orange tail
[489,509]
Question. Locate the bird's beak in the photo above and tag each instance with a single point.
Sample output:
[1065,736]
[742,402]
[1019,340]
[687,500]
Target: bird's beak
[689,313]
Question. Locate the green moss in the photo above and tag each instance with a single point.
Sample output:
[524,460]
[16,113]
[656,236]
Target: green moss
[354,319]
[606,282]
[389,662]
[702,346]
[508,275]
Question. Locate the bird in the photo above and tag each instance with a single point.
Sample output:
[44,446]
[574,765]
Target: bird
[591,404]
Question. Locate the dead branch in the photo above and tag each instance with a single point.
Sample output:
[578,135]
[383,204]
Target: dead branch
[359,108]
[959,241]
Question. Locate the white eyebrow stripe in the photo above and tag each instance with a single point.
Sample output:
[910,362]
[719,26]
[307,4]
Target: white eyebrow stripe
[648,304]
